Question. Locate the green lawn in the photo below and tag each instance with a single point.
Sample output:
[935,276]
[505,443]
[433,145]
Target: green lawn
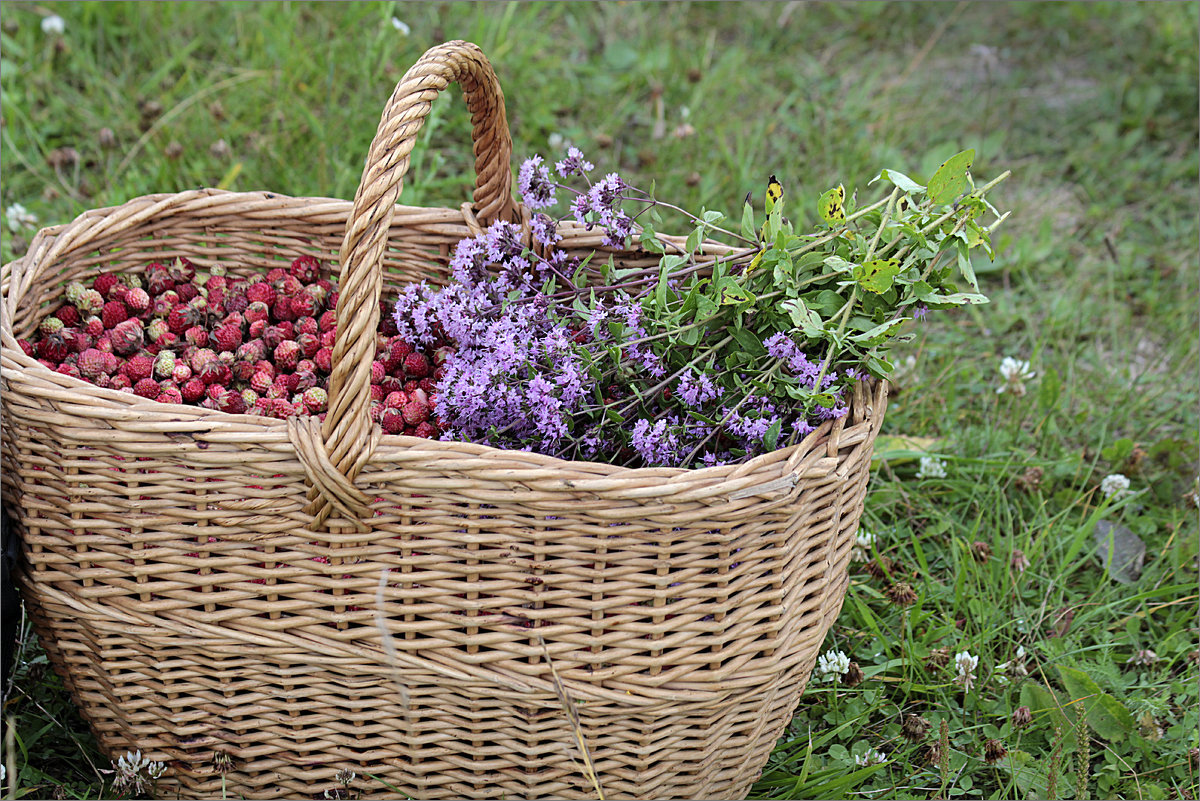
[1093,106]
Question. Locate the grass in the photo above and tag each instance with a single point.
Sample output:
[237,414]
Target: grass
[1093,107]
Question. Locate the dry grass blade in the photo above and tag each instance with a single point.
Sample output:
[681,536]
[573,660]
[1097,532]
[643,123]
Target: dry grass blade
[588,767]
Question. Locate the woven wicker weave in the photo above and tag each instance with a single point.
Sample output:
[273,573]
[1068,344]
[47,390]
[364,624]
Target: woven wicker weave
[306,600]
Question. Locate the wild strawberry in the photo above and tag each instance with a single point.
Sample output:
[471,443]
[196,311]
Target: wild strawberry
[235,301]
[51,325]
[288,285]
[128,337]
[257,311]
[167,340]
[196,335]
[301,305]
[216,282]
[147,388]
[376,410]
[324,360]
[104,282]
[92,362]
[427,385]
[308,325]
[242,371]
[185,316]
[309,344]
[26,347]
[90,302]
[281,310]
[306,268]
[215,371]
[276,274]
[233,319]
[117,381]
[68,314]
[277,392]
[392,421]
[170,395]
[378,371]
[426,431]
[215,391]
[251,351]
[193,390]
[137,299]
[261,381]
[305,380]
[287,354]
[137,367]
[287,329]
[329,338]
[441,354]
[261,292]
[378,393]
[114,312]
[327,321]
[182,270]
[186,292]
[255,329]
[318,293]
[67,368]
[264,366]
[331,302]
[231,402]
[250,397]
[53,347]
[159,282]
[391,383]
[73,291]
[181,373]
[201,357]
[290,382]
[415,412]
[395,400]
[164,365]
[104,343]
[156,328]
[416,365]
[315,400]
[227,338]
[78,341]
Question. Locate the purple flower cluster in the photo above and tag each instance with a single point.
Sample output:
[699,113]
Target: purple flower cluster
[574,164]
[533,181]
[631,314]
[781,346]
[696,389]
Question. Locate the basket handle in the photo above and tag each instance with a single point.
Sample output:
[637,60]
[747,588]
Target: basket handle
[347,431]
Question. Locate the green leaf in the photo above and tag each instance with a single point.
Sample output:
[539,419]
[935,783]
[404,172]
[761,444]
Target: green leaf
[877,275]
[899,179]
[1105,714]
[879,333]
[1049,389]
[803,318]
[693,241]
[650,241]
[838,264]
[731,293]
[958,299]
[831,205]
[749,342]
[771,438]
[950,180]
[964,265]
[748,221]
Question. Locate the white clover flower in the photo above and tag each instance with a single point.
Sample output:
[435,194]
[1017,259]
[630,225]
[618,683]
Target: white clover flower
[870,757]
[53,24]
[966,664]
[401,26]
[1015,373]
[1115,486]
[1143,658]
[18,217]
[931,467]
[832,665]
[863,542]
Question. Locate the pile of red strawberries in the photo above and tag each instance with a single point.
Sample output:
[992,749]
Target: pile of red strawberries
[262,345]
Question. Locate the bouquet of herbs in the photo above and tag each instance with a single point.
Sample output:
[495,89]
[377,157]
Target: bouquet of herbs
[705,359]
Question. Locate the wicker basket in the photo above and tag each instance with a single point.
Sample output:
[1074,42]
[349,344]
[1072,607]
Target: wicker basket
[441,618]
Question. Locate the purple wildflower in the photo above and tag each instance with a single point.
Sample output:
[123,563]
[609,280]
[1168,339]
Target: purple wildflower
[695,390]
[656,443]
[544,229]
[533,181]
[920,311]
[574,163]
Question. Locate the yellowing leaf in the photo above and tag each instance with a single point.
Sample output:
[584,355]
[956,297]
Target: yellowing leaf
[831,205]
[950,180]
[774,193]
[878,275]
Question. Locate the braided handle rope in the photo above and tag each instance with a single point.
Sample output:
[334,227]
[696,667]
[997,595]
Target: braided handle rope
[347,431]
